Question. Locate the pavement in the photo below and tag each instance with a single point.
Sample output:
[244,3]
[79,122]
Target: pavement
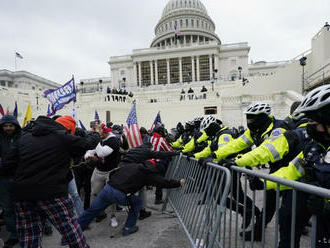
[157,231]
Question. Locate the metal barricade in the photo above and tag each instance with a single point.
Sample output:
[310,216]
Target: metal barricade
[270,202]
[200,204]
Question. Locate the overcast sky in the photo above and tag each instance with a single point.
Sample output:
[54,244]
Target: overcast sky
[63,37]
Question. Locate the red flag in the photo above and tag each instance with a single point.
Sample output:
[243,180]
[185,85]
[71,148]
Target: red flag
[132,129]
[1,110]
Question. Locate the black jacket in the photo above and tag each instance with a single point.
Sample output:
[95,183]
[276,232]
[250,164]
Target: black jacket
[41,159]
[143,152]
[131,177]
[7,141]
[112,160]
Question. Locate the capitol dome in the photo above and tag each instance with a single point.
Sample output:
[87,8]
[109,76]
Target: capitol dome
[189,19]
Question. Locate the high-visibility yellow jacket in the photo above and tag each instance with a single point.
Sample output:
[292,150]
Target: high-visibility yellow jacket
[224,136]
[282,148]
[246,140]
[178,143]
[297,170]
[190,146]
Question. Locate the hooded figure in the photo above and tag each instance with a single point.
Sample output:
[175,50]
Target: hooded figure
[10,131]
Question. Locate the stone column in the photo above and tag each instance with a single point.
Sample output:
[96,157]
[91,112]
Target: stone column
[140,75]
[193,69]
[197,64]
[216,65]
[168,71]
[211,66]
[180,70]
[156,72]
[135,73]
[151,73]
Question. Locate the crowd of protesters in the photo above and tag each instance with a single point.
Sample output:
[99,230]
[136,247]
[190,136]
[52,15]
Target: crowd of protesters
[54,174]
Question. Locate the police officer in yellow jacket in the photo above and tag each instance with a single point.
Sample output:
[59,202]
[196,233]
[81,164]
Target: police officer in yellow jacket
[262,128]
[199,140]
[218,135]
[186,136]
[310,166]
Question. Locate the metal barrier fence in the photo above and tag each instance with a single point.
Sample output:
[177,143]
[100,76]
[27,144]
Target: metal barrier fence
[211,217]
[201,203]
[287,214]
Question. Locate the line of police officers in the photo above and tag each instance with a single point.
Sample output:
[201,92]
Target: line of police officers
[296,148]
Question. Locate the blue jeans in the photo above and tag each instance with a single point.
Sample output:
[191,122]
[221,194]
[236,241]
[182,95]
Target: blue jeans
[105,198]
[6,201]
[72,188]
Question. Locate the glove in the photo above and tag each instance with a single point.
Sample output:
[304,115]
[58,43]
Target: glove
[203,162]
[227,163]
[318,205]
[256,184]
[190,156]
[214,146]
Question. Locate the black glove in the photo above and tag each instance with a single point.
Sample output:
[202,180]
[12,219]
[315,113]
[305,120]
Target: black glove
[227,163]
[318,205]
[189,156]
[256,184]
[203,162]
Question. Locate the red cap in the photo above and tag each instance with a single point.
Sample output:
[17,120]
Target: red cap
[105,129]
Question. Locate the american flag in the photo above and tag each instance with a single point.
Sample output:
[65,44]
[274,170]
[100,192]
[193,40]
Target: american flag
[157,122]
[176,32]
[1,110]
[132,130]
[96,117]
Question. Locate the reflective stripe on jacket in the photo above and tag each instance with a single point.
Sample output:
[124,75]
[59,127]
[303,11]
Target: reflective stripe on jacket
[223,138]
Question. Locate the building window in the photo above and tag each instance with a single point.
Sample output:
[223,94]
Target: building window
[166,26]
[187,24]
[204,68]
[181,23]
[33,87]
[210,110]
[162,71]
[122,72]
[174,70]
[145,71]
[197,23]
[192,22]
[186,69]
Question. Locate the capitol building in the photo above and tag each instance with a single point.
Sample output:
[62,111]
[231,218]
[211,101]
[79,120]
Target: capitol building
[185,72]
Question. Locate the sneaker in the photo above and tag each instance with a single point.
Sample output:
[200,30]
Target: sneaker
[159,201]
[128,231]
[10,243]
[144,214]
[101,217]
[114,222]
[48,230]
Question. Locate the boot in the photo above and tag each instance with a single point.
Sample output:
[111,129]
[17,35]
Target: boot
[144,214]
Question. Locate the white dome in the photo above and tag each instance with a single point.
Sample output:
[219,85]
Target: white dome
[189,18]
[178,5]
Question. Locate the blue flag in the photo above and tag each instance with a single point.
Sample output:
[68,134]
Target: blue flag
[15,110]
[82,126]
[96,117]
[157,122]
[61,96]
